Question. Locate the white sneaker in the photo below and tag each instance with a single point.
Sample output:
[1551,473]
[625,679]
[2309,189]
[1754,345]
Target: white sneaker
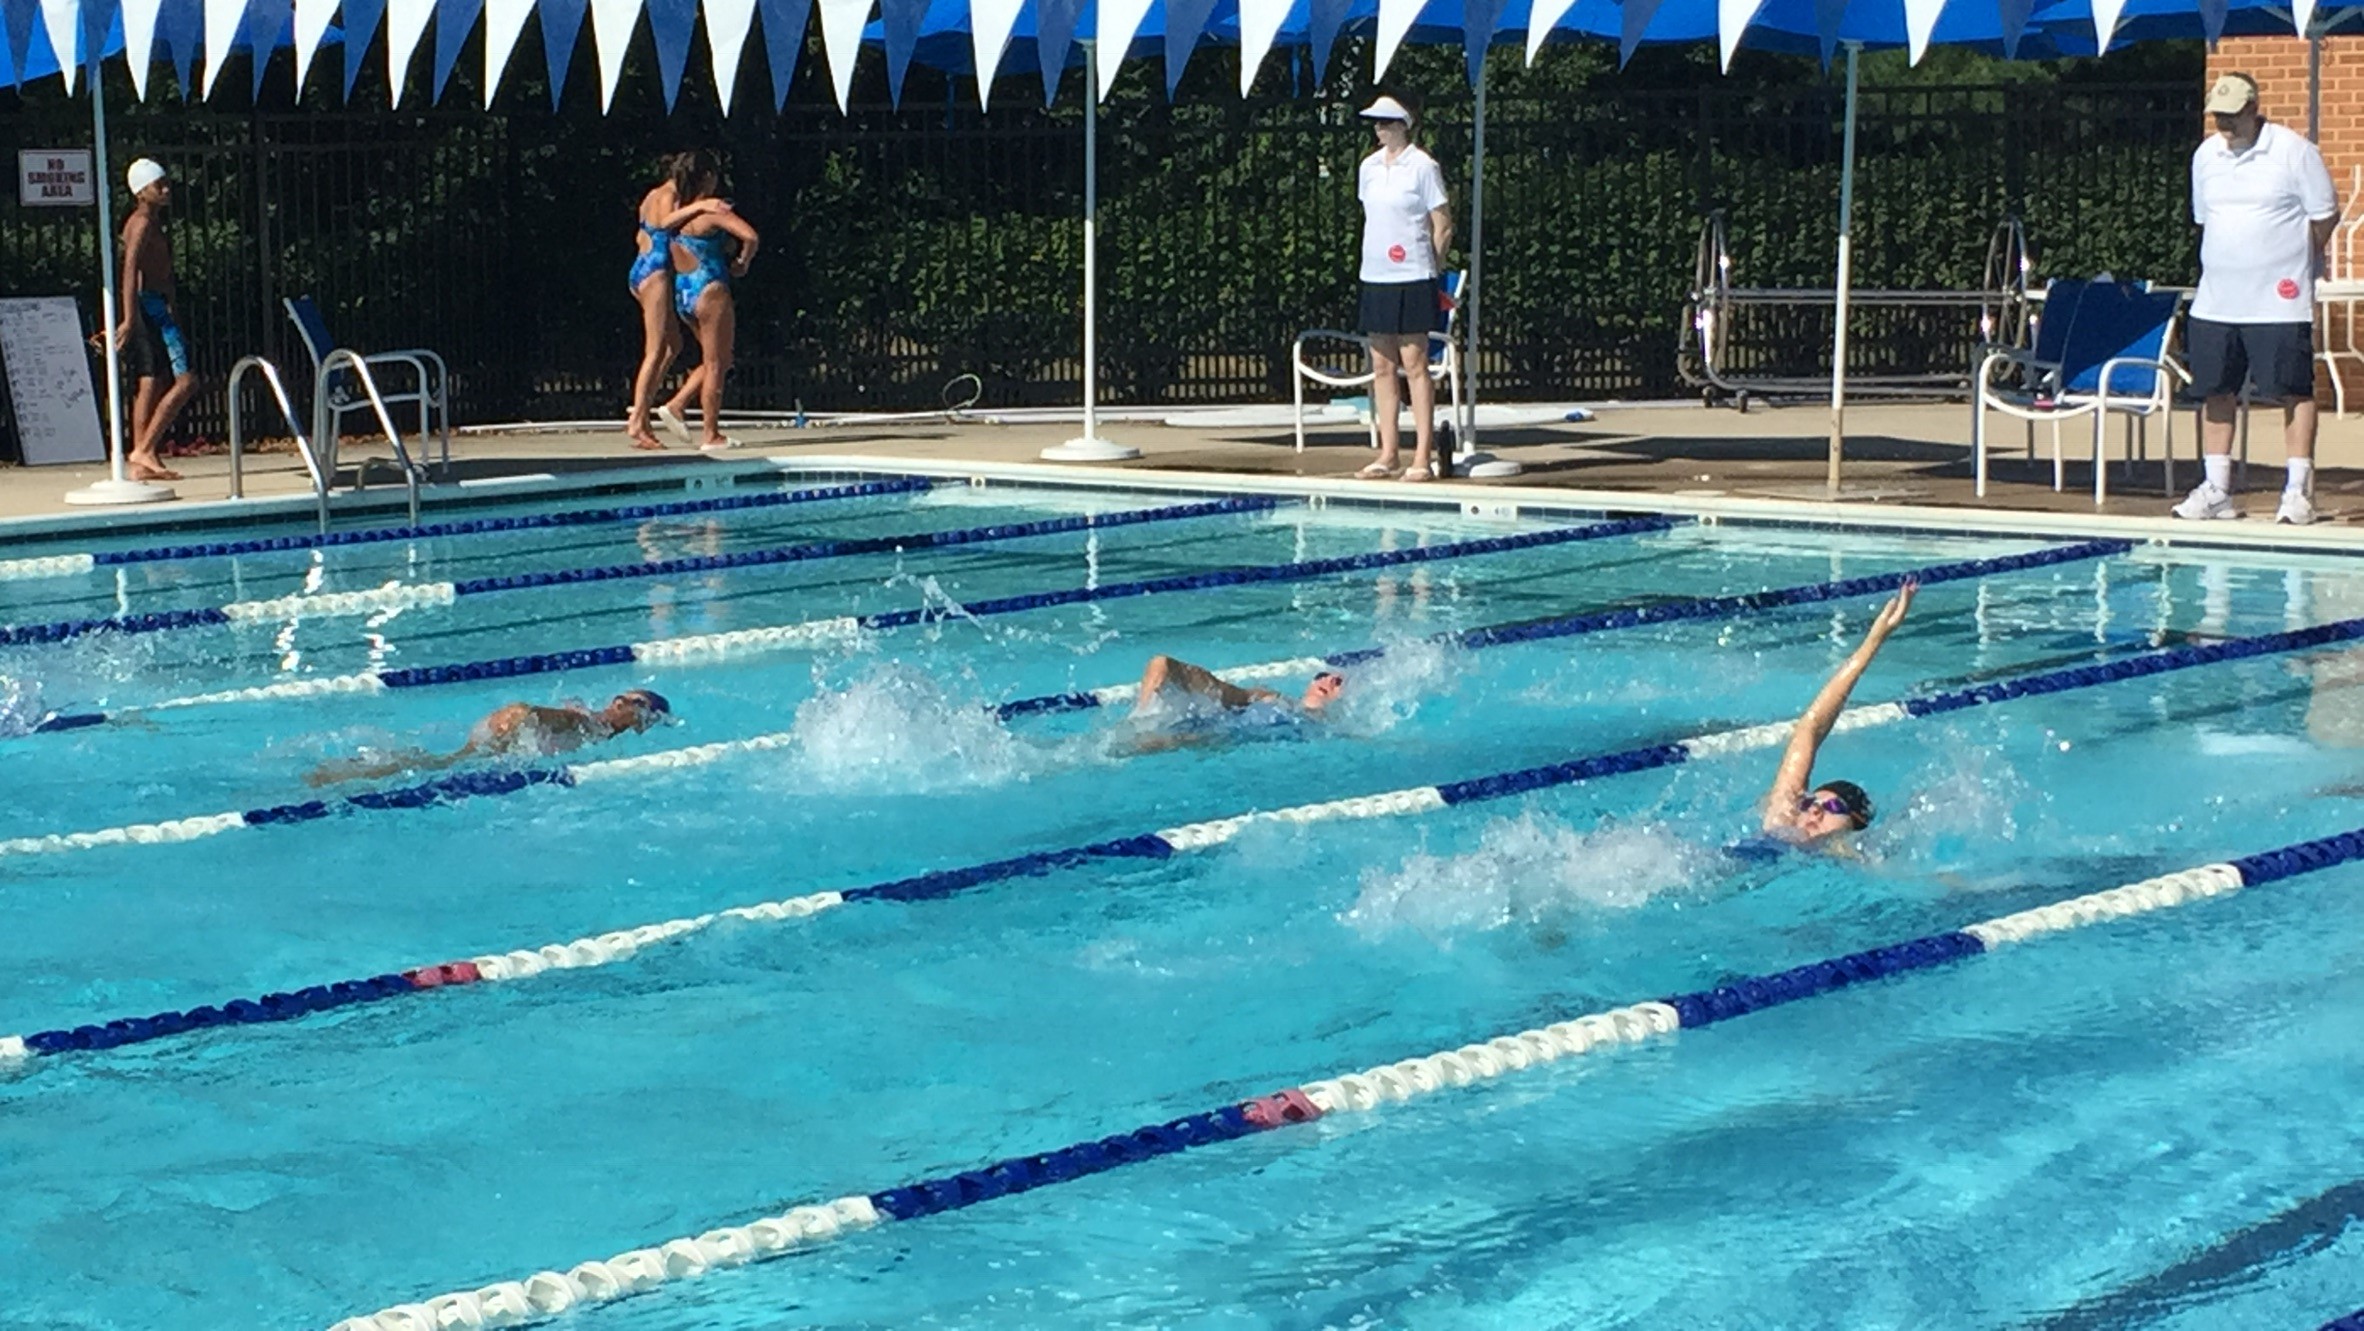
[2206,501]
[2296,509]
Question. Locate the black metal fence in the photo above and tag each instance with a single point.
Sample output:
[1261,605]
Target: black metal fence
[904,247]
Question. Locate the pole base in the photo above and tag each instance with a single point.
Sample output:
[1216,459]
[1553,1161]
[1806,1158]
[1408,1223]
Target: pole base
[1485,466]
[120,492]
[1089,448]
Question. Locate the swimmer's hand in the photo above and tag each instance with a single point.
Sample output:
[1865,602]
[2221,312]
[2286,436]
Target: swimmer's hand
[1892,614]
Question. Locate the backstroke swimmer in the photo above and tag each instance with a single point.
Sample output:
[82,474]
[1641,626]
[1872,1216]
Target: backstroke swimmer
[1799,811]
[518,730]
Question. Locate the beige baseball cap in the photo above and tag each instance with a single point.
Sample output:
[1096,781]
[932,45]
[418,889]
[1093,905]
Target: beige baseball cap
[2231,94]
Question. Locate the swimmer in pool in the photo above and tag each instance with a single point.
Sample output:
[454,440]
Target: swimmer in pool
[518,730]
[1169,678]
[1799,810]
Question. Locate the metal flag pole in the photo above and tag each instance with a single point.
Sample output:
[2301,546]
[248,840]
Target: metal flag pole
[1091,447]
[1468,458]
[116,489]
[1838,340]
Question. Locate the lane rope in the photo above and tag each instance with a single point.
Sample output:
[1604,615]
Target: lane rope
[406,596]
[56,566]
[619,945]
[1599,621]
[739,644]
[548,1293]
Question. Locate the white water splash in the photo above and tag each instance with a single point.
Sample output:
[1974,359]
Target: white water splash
[1527,870]
[1385,693]
[895,727]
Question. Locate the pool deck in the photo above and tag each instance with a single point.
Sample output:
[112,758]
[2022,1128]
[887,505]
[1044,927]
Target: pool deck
[1907,465]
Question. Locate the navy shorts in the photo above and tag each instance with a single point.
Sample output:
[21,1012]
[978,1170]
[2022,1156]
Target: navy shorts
[2276,360]
[1401,309]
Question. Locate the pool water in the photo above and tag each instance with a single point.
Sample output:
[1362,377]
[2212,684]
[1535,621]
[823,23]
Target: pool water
[2136,1124]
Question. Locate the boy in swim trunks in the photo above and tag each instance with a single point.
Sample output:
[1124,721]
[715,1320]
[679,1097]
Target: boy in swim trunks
[1798,810]
[518,730]
[154,352]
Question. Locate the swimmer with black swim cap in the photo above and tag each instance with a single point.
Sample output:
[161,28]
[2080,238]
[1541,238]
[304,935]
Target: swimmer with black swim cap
[1797,809]
[519,729]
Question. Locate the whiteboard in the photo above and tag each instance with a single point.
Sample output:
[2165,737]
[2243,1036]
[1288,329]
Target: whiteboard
[49,390]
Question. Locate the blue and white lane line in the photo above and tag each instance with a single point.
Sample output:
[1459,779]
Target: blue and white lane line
[2352,1322]
[619,945]
[53,566]
[59,566]
[412,595]
[549,1293]
[740,644]
[1600,621]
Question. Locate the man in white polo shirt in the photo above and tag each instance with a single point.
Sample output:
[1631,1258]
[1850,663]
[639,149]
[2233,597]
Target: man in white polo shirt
[2264,203]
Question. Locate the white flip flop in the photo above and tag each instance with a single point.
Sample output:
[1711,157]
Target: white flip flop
[673,423]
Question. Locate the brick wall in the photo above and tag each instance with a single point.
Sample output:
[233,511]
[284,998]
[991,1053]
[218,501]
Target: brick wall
[2279,64]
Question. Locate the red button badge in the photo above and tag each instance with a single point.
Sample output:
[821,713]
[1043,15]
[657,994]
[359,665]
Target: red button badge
[1395,254]
[2286,289]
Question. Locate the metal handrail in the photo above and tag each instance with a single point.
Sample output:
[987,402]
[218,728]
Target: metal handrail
[287,413]
[2002,302]
[324,422]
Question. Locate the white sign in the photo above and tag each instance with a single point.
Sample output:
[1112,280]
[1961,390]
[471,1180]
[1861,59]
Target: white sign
[54,178]
[48,372]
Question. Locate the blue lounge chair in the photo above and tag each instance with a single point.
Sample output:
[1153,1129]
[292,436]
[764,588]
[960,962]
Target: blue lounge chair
[350,387]
[2101,347]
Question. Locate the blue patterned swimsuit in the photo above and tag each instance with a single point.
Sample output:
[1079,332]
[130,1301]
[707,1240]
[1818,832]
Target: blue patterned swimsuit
[713,256]
[655,259]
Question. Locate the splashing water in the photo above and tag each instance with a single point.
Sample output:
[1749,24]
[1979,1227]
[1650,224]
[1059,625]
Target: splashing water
[1385,693]
[20,705]
[1528,870]
[895,727]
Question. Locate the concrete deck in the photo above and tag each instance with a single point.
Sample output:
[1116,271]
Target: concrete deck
[1902,460]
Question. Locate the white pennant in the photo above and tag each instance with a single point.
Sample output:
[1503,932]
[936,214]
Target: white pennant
[1541,19]
[841,41]
[504,23]
[311,24]
[612,22]
[222,18]
[1259,26]
[1395,23]
[2302,16]
[1119,21]
[139,41]
[2105,23]
[406,22]
[63,19]
[990,22]
[1732,20]
[1920,20]
[727,22]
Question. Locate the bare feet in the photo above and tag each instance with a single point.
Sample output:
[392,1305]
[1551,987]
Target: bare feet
[642,439]
[148,471]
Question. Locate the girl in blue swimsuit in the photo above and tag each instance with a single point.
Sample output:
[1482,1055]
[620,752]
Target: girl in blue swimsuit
[673,203]
[710,251]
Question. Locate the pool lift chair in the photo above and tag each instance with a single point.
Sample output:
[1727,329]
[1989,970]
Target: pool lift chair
[1444,363]
[344,383]
[2101,346]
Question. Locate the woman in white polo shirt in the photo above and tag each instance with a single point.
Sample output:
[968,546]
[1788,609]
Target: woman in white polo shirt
[1406,230]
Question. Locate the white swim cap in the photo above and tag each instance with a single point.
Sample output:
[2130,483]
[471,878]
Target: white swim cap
[143,173]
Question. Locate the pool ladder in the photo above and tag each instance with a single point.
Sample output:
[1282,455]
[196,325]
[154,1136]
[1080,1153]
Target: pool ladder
[319,461]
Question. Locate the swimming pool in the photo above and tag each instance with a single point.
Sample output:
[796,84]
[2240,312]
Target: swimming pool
[2137,1123]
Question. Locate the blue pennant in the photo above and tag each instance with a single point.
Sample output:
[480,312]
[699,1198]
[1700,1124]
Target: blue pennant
[361,24]
[180,25]
[1479,19]
[265,22]
[1054,33]
[562,22]
[19,17]
[1186,21]
[783,41]
[900,19]
[1327,17]
[453,20]
[672,23]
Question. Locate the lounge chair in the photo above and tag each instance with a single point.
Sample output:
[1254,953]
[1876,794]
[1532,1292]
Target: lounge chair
[351,384]
[1444,360]
[2101,347]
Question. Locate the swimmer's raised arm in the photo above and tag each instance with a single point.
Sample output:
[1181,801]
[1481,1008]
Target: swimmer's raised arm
[1793,778]
[1166,670]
